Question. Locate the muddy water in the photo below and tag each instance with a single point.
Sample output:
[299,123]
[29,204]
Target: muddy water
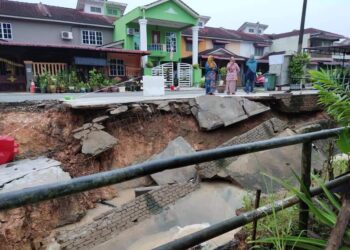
[212,203]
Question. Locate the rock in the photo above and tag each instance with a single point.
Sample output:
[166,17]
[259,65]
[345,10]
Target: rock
[87,125]
[76,149]
[164,106]
[209,121]
[97,142]
[77,130]
[81,134]
[228,110]
[100,119]
[119,110]
[98,126]
[29,173]
[177,147]
[136,107]
[194,111]
[192,102]
[53,245]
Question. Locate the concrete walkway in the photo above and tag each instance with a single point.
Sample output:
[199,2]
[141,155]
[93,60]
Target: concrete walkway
[96,100]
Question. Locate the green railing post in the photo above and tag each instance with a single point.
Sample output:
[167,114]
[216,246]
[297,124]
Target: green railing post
[306,181]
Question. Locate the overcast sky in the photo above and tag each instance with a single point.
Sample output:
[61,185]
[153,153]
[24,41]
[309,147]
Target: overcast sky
[280,15]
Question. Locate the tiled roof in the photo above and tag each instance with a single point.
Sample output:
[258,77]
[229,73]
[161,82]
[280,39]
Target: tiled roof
[52,13]
[312,31]
[226,34]
[75,47]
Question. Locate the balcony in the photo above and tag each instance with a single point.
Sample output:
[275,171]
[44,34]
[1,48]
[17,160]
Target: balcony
[158,49]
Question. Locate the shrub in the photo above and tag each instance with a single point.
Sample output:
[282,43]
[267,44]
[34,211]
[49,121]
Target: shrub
[296,68]
[149,64]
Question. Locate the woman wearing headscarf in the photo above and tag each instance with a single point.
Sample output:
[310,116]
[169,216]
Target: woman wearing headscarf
[232,76]
[251,74]
[210,75]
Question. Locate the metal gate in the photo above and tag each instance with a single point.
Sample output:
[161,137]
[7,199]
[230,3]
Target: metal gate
[184,74]
[167,71]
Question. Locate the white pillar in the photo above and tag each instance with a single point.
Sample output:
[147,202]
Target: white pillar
[143,39]
[195,30]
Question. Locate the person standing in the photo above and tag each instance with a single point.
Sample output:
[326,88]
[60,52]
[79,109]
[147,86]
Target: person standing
[232,76]
[210,75]
[250,75]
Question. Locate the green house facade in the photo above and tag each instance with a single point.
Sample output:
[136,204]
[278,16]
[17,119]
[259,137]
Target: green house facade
[157,27]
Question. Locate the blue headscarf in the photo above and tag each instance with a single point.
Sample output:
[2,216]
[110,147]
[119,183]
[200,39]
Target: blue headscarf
[252,64]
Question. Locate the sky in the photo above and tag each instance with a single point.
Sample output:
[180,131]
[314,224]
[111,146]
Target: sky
[280,15]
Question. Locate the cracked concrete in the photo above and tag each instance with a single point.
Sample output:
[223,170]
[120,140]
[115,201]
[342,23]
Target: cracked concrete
[29,173]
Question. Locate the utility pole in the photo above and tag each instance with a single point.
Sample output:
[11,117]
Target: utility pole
[302,25]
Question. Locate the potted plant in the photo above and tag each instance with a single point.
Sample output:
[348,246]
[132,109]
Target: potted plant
[42,82]
[222,80]
[82,87]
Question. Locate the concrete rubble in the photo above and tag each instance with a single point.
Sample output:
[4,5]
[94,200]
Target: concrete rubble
[96,142]
[213,112]
[177,147]
[119,110]
[29,173]
[248,170]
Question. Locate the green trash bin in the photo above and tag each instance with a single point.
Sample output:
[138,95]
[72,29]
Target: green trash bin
[270,82]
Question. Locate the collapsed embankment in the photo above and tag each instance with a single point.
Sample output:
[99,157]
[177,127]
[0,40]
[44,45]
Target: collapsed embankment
[47,129]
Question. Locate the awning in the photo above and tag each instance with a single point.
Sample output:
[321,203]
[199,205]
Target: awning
[90,61]
[221,42]
[189,39]
[227,58]
[261,44]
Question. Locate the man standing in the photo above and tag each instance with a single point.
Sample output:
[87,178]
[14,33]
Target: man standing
[250,74]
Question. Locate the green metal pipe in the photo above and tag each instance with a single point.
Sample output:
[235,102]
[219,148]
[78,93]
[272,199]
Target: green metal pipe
[228,225]
[46,192]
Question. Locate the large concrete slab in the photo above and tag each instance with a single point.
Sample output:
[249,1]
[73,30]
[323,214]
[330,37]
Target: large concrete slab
[214,111]
[247,170]
[29,173]
[177,147]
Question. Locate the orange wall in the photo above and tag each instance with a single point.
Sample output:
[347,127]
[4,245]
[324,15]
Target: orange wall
[201,47]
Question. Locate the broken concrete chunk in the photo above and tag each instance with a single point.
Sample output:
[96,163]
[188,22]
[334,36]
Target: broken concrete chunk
[164,106]
[227,110]
[77,130]
[81,134]
[177,147]
[98,126]
[208,121]
[97,142]
[29,173]
[87,125]
[119,110]
[253,108]
[100,119]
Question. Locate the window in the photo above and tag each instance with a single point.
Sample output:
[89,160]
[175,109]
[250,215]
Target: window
[113,11]
[259,51]
[92,37]
[259,31]
[218,45]
[171,43]
[189,46]
[251,30]
[5,31]
[95,9]
[116,67]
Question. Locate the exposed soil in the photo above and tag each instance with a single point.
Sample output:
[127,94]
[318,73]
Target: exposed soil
[46,129]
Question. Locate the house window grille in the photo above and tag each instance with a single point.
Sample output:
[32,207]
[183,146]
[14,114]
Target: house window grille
[116,67]
[92,37]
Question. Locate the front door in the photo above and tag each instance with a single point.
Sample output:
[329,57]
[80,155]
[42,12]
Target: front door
[155,37]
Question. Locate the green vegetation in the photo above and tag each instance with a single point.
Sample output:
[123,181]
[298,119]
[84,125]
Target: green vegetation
[297,67]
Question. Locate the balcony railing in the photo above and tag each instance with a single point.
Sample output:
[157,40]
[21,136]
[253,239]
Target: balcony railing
[157,47]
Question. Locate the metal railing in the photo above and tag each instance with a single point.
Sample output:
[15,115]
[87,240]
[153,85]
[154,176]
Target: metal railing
[45,192]
[156,47]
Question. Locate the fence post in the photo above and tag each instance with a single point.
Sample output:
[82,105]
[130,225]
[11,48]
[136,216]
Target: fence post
[306,181]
